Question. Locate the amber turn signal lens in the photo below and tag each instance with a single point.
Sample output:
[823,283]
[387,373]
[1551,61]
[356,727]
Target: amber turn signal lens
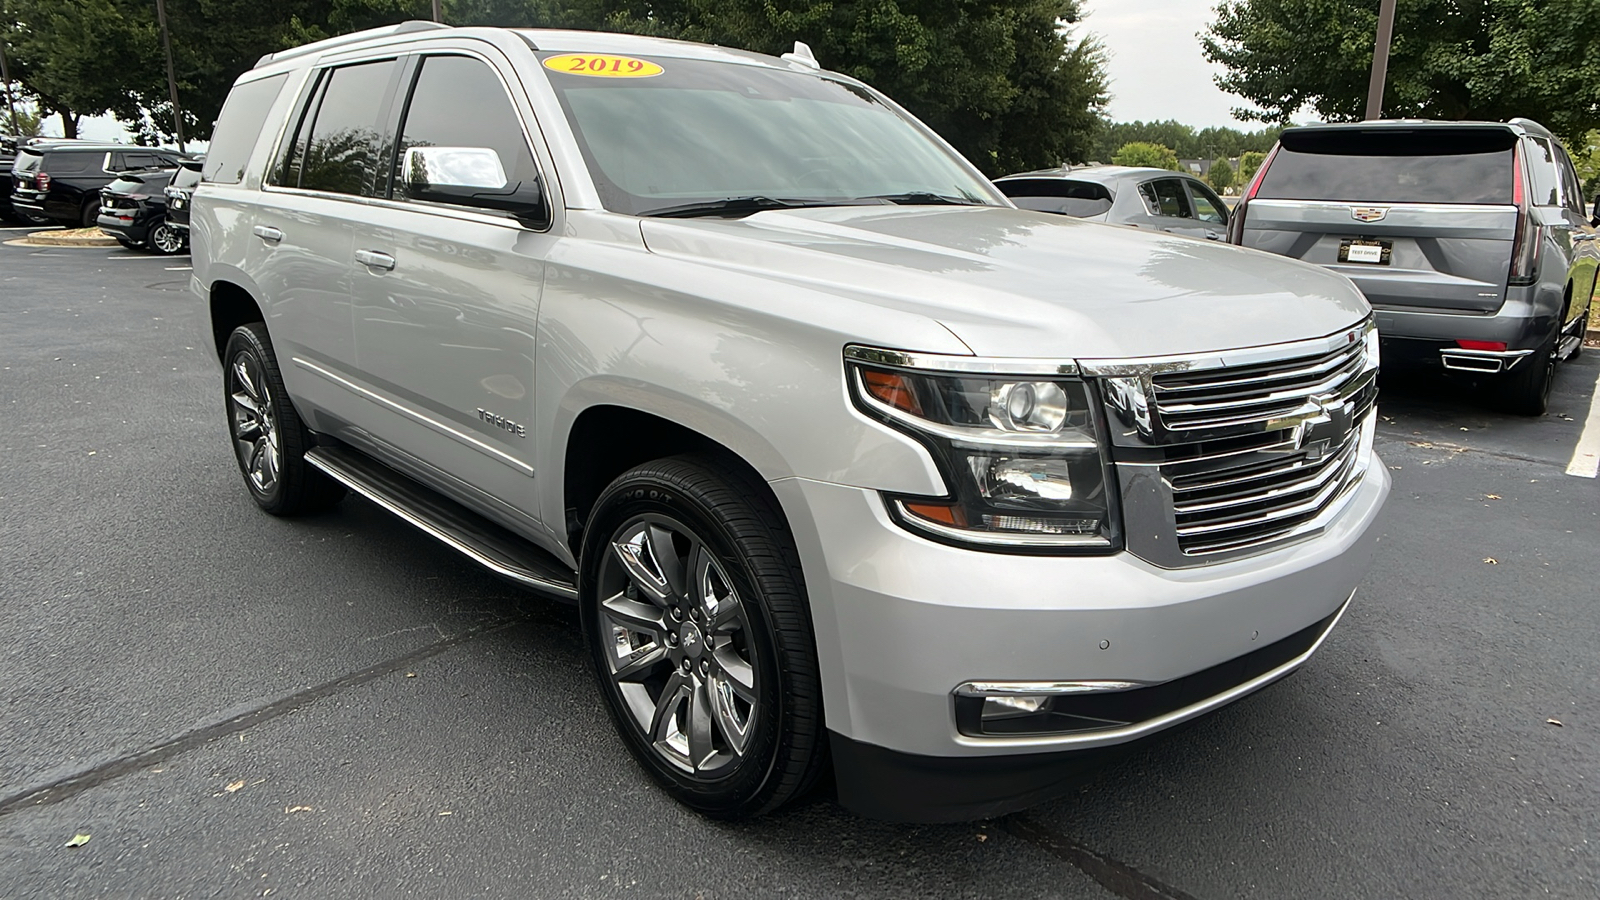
[893,390]
[942,513]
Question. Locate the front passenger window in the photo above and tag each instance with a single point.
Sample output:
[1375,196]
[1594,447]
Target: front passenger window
[458,101]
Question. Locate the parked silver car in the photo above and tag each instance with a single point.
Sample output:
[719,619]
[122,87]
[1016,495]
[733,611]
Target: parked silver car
[1472,240]
[1123,195]
[838,452]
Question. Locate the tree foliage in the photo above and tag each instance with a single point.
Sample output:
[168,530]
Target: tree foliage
[1141,153]
[1450,59]
[1220,175]
[1186,141]
[1586,159]
[1008,82]
[1249,162]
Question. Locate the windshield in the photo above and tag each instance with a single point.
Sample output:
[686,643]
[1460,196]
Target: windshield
[689,132]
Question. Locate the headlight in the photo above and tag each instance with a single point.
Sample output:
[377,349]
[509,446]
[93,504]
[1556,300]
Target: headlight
[1021,455]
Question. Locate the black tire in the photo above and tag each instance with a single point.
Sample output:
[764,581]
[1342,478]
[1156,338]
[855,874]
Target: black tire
[276,441]
[164,240]
[1525,390]
[90,216]
[732,514]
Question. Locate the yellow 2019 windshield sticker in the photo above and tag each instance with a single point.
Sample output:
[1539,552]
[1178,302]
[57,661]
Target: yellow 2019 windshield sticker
[602,65]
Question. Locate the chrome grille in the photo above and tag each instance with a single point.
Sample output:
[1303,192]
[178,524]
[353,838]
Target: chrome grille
[1233,453]
[1226,398]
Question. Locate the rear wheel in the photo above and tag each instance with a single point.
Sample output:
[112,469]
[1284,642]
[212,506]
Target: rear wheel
[695,612]
[166,240]
[269,440]
[90,214]
[1525,390]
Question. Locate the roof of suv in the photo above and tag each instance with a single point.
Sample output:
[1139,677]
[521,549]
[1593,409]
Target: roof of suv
[543,39]
[1100,174]
[1517,125]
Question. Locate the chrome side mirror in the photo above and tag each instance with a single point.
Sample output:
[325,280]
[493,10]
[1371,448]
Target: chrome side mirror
[469,176]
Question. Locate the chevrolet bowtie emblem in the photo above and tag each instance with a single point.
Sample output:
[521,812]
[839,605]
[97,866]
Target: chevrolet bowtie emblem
[1368,213]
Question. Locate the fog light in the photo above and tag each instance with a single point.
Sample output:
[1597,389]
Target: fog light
[1010,706]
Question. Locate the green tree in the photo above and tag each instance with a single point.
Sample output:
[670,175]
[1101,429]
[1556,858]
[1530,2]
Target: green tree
[1206,143]
[1006,81]
[1221,174]
[1586,158]
[1143,153]
[1450,59]
[1249,162]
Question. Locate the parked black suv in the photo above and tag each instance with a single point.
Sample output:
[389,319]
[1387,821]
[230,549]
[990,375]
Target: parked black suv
[180,193]
[62,180]
[134,211]
[8,156]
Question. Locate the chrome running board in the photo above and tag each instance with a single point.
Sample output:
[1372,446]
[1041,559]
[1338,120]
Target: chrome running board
[484,542]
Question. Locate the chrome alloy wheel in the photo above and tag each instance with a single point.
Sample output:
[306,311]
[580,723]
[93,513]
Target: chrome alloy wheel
[255,426]
[678,646]
[166,239]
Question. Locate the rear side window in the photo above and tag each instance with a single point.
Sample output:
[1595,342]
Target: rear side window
[138,161]
[26,161]
[344,142]
[1571,187]
[1435,165]
[458,101]
[243,115]
[1208,207]
[1079,199]
[68,163]
[1166,197]
[1543,172]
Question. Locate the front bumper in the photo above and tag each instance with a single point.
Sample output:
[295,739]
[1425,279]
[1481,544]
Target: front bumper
[902,621]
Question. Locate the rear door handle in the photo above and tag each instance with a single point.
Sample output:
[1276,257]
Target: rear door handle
[267,233]
[375,259]
[1213,236]
[1582,236]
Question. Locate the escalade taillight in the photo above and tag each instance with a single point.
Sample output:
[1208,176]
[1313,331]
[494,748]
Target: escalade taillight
[1525,248]
[42,181]
[1236,224]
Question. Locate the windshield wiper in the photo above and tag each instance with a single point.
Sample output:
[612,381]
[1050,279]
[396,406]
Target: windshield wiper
[926,198]
[736,206]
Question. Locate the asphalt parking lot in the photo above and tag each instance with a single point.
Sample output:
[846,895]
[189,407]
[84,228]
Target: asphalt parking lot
[232,705]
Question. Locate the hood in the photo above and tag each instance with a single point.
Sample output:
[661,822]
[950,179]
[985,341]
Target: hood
[1011,282]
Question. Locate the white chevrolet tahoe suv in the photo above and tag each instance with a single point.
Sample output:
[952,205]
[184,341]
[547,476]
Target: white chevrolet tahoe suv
[840,454]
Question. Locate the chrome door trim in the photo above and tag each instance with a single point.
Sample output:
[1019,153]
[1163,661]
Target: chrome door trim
[494,453]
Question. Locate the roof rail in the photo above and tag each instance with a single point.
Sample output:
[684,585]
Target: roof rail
[340,40]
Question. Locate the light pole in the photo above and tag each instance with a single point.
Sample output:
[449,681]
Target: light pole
[172,78]
[1380,59]
[438,14]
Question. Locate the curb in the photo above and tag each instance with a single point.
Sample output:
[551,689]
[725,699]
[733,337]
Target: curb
[82,237]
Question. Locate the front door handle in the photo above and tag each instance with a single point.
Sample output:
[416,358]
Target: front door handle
[1213,236]
[267,233]
[375,259]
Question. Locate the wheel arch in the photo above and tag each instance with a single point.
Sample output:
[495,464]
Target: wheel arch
[592,455]
[231,305]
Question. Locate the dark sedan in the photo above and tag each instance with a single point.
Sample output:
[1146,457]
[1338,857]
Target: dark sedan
[133,209]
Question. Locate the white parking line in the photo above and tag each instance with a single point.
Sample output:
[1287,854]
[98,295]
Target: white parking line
[1586,456]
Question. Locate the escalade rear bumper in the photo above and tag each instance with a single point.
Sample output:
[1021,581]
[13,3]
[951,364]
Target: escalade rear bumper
[1520,324]
[902,622]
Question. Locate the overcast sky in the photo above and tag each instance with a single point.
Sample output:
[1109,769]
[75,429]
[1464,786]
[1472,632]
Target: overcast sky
[1156,68]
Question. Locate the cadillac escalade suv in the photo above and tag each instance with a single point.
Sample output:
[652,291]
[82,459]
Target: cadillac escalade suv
[1472,240]
[841,455]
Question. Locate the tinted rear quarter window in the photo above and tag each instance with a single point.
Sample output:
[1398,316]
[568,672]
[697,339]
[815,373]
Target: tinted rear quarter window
[243,114]
[1435,165]
[73,162]
[26,162]
[1079,199]
[185,177]
[1542,172]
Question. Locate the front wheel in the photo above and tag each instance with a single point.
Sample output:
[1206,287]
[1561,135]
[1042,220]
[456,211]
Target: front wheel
[269,440]
[695,612]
